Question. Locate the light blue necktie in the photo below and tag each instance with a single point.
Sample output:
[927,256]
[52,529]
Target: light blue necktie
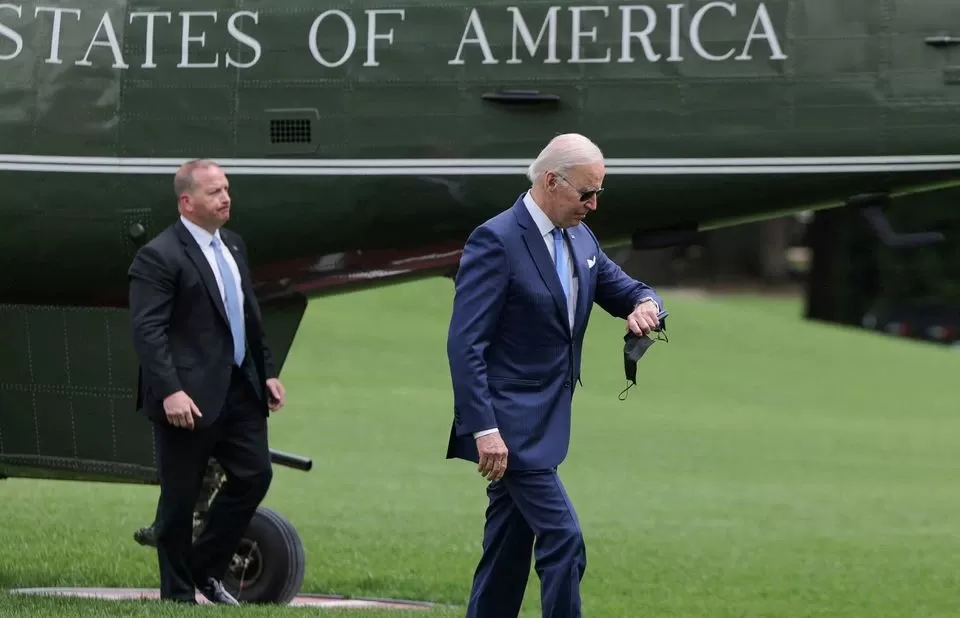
[234,310]
[560,260]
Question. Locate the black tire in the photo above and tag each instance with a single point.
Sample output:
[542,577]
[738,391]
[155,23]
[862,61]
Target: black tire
[274,558]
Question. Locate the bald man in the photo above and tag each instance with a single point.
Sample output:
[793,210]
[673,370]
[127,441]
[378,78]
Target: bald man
[527,281]
[207,381]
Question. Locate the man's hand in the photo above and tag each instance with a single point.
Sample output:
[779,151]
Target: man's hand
[180,410]
[644,318]
[493,456]
[277,395]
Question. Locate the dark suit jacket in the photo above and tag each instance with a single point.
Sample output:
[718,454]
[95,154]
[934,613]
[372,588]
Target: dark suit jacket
[514,360]
[180,329]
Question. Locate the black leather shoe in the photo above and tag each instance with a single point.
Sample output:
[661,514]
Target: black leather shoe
[214,591]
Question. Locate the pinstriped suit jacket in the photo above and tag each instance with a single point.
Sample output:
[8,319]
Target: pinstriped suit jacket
[514,360]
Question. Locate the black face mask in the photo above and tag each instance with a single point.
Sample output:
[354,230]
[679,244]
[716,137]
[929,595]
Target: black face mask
[634,348]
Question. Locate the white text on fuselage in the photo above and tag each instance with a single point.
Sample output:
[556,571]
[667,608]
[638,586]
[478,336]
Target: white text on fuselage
[331,39]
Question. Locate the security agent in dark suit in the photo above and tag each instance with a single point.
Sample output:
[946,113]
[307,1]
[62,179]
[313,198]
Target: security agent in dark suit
[207,381]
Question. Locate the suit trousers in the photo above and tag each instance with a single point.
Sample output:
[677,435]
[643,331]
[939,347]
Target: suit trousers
[238,440]
[529,514]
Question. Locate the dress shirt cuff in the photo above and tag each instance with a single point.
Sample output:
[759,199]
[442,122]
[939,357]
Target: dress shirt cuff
[477,434]
[645,299]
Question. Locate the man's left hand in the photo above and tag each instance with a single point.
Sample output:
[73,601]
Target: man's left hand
[277,394]
[644,318]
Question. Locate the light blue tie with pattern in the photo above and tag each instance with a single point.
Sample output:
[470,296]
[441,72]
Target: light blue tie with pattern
[560,260]
[232,302]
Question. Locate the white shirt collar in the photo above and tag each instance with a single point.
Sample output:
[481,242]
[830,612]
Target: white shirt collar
[539,217]
[202,236]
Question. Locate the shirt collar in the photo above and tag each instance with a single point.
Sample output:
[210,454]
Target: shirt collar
[202,236]
[539,217]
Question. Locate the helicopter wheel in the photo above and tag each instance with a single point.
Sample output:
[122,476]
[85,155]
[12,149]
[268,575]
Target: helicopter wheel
[268,565]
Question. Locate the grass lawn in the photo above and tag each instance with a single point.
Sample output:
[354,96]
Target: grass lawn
[763,466]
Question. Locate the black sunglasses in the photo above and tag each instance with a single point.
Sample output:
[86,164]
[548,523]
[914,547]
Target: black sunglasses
[584,195]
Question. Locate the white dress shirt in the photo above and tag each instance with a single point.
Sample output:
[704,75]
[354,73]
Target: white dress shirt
[546,226]
[203,238]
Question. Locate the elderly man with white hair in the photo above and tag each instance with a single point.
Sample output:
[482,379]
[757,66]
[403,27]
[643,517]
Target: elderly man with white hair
[525,288]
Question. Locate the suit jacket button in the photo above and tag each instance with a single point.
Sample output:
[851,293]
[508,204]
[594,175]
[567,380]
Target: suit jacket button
[566,384]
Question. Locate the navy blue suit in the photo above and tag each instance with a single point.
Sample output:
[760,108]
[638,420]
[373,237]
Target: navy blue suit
[514,362]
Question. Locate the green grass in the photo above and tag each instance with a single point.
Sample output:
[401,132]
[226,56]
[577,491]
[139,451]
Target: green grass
[763,466]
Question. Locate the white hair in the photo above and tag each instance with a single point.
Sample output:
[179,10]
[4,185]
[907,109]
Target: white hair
[563,152]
